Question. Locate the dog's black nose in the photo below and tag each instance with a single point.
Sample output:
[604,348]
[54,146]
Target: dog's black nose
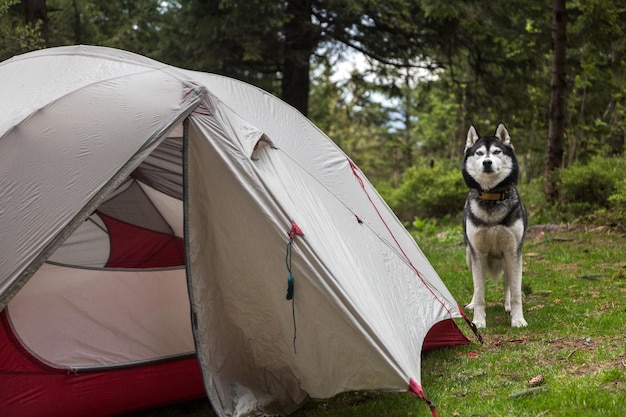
[487,163]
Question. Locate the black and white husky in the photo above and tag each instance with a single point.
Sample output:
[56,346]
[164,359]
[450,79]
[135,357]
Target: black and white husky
[494,221]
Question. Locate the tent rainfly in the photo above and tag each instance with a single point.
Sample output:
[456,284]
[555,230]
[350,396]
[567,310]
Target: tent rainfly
[170,234]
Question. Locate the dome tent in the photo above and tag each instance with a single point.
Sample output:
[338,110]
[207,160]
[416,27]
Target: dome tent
[154,220]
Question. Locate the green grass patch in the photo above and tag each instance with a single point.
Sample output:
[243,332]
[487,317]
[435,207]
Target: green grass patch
[575,304]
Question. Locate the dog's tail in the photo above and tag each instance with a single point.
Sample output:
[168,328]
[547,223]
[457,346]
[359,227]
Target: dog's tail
[495,268]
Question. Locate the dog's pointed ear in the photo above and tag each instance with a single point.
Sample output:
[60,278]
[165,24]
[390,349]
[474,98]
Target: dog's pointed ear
[503,134]
[472,137]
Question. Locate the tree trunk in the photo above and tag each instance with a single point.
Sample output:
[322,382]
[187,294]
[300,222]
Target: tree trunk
[299,45]
[36,11]
[556,129]
[78,32]
[408,125]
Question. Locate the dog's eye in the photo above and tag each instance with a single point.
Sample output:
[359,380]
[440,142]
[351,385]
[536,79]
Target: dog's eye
[497,152]
[480,153]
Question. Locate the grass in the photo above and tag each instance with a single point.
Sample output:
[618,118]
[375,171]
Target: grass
[575,285]
[575,304]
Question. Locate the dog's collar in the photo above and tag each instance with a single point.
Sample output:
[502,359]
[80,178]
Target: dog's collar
[494,196]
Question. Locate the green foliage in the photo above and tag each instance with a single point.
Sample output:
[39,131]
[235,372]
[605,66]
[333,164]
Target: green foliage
[5,4]
[596,59]
[433,69]
[346,111]
[445,231]
[483,85]
[618,198]
[130,25]
[593,191]
[540,211]
[17,36]
[427,190]
[440,125]
[242,39]
[430,196]
[424,226]
[586,188]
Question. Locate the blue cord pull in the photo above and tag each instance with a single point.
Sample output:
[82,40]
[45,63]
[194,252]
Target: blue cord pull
[295,230]
[289,287]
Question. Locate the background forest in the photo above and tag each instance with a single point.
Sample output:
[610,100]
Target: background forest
[552,71]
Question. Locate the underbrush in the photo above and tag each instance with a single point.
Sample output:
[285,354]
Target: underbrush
[594,193]
[434,194]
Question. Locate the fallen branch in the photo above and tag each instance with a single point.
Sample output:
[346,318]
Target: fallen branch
[570,354]
[527,392]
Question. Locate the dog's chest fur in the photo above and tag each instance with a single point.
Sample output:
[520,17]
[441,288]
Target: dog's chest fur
[493,226]
[495,240]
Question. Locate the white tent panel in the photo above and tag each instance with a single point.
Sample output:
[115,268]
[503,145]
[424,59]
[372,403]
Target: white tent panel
[53,163]
[88,246]
[31,89]
[349,303]
[170,208]
[322,160]
[102,318]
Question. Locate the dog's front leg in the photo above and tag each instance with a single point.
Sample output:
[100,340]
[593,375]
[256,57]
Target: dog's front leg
[513,285]
[468,259]
[507,293]
[478,299]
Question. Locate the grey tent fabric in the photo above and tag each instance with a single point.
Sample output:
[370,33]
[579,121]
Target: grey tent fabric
[93,145]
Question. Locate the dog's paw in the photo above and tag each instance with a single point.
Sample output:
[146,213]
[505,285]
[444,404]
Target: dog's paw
[519,322]
[480,324]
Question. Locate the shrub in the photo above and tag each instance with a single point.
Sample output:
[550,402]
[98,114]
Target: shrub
[617,200]
[434,191]
[427,191]
[539,210]
[584,189]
